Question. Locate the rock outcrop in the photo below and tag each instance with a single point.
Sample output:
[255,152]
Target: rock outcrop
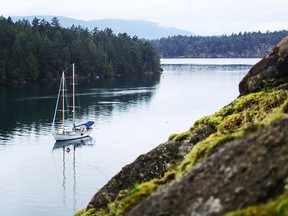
[153,164]
[233,162]
[146,167]
[269,72]
[251,170]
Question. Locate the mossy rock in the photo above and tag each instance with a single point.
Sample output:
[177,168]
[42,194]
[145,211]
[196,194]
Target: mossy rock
[206,140]
[277,207]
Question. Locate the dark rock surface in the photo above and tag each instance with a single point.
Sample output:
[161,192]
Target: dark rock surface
[244,172]
[151,165]
[272,70]
[146,167]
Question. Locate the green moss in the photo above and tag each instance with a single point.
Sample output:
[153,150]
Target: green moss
[276,113]
[251,128]
[226,111]
[128,198]
[232,123]
[80,212]
[242,116]
[260,101]
[92,212]
[284,107]
[180,137]
[212,120]
[247,101]
[172,137]
[205,148]
[277,207]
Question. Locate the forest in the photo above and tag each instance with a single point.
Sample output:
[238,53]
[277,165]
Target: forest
[41,50]
[242,45]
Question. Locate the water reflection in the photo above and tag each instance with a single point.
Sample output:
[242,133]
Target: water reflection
[41,178]
[200,67]
[85,141]
[69,147]
[34,104]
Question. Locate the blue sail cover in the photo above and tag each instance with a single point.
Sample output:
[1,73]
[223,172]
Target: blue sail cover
[87,124]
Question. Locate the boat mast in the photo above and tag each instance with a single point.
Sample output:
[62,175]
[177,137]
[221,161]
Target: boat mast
[73,105]
[63,100]
[56,108]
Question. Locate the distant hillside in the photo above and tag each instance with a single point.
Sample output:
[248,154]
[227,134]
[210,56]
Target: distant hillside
[140,28]
[242,45]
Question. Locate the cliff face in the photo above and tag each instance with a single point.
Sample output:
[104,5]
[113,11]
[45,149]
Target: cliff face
[235,160]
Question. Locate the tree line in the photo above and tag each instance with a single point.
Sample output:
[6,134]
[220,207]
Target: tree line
[40,50]
[251,44]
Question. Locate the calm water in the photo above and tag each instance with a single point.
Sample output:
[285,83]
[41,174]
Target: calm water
[133,115]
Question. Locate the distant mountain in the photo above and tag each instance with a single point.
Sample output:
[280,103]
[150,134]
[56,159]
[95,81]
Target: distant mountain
[140,28]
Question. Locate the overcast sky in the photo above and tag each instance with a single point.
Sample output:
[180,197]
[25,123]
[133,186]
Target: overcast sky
[202,17]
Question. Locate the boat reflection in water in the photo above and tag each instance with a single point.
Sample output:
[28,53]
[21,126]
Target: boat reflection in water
[69,147]
[85,141]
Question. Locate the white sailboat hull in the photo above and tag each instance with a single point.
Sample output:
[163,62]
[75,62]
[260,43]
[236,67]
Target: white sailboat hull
[70,135]
[77,131]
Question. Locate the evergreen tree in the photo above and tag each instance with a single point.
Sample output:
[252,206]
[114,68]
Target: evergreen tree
[247,44]
[41,50]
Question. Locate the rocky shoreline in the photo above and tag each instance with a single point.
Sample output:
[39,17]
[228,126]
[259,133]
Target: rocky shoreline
[233,162]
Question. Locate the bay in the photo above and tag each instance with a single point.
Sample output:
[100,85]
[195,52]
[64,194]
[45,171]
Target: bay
[133,115]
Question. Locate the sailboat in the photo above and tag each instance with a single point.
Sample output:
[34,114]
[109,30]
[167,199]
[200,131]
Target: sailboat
[74,131]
